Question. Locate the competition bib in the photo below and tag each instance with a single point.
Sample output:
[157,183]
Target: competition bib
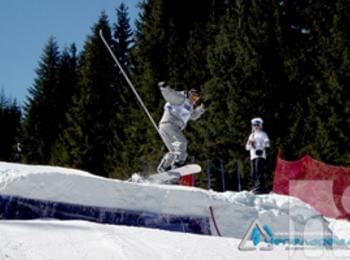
[182,111]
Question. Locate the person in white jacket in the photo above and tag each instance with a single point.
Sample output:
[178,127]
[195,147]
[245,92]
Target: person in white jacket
[256,144]
[178,110]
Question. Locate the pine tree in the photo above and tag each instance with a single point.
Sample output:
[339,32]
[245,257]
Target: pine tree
[40,123]
[67,82]
[332,44]
[89,134]
[318,120]
[122,36]
[10,121]
[126,103]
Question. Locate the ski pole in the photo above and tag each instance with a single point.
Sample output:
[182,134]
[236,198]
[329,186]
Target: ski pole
[134,90]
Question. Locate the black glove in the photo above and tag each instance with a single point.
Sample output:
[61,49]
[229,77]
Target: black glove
[162,84]
[206,103]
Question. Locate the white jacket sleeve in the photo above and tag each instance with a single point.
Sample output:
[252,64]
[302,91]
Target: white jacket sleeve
[248,145]
[266,141]
[197,112]
[172,96]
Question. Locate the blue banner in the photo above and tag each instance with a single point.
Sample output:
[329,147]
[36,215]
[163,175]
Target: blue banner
[13,207]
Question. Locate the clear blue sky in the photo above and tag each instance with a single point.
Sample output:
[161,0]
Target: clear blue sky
[25,26]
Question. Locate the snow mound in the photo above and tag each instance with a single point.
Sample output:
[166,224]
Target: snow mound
[233,211]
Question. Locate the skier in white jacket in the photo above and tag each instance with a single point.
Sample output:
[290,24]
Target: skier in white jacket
[256,144]
[178,110]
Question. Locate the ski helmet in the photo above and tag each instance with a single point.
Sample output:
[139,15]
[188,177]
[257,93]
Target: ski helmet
[257,121]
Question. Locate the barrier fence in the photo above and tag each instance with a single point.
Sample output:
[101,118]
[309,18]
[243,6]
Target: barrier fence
[325,187]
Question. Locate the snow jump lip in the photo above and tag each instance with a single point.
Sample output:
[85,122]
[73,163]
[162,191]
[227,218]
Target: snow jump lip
[29,192]
[32,192]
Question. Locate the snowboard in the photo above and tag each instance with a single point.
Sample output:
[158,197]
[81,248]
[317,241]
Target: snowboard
[169,177]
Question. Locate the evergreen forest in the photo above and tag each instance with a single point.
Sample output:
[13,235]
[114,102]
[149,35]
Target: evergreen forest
[286,61]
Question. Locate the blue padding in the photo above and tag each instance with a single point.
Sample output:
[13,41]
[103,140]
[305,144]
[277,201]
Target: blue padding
[13,207]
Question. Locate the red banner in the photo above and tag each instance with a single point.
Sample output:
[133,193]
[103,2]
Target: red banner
[325,187]
[187,180]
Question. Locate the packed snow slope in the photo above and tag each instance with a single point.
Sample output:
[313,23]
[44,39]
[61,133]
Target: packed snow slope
[29,192]
[83,240]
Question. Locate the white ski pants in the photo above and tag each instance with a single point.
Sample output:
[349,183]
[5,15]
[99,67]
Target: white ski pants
[176,141]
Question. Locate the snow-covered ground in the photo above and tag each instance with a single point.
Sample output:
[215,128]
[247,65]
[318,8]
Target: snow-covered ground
[76,239]
[53,239]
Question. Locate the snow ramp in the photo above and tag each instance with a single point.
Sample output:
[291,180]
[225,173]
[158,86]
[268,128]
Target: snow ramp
[32,192]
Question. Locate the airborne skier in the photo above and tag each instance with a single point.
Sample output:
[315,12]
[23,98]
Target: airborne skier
[178,110]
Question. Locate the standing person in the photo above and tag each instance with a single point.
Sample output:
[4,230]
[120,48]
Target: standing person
[178,110]
[256,144]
